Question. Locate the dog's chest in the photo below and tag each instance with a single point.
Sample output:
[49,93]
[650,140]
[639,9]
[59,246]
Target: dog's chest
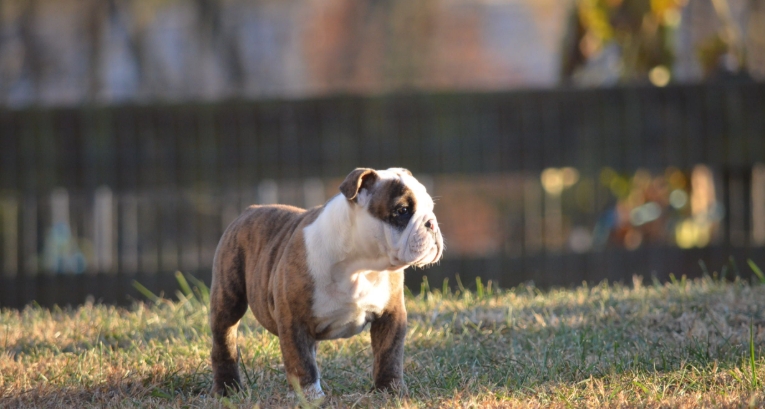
[343,308]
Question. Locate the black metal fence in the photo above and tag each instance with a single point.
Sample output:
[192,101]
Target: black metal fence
[93,198]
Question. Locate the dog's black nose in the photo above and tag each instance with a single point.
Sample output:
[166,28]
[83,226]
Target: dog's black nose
[431,224]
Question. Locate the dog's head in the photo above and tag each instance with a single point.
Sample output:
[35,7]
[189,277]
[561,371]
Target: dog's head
[396,211]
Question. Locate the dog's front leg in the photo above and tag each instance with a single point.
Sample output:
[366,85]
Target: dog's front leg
[388,334]
[299,354]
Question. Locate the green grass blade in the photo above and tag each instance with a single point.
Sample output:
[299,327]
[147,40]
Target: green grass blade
[704,269]
[201,288]
[734,267]
[673,279]
[752,362]
[459,284]
[424,287]
[146,292]
[757,271]
[641,386]
[408,293]
[185,287]
[157,393]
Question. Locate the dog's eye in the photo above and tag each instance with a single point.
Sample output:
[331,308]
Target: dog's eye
[402,210]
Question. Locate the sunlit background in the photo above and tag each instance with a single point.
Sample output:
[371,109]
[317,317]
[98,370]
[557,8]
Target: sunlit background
[564,141]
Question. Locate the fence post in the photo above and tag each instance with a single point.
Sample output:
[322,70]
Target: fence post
[9,214]
[129,231]
[103,230]
[268,192]
[313,192]
[758,205]
[29,221]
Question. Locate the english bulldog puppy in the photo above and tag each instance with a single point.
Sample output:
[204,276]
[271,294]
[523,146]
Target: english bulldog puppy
[324,273]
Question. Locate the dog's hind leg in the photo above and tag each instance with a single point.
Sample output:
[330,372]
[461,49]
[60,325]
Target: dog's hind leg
[228,303]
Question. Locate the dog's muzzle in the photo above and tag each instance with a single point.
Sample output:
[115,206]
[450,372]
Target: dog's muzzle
[434,242]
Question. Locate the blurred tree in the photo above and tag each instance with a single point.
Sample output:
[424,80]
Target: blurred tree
[639,29]
[636,37]
[32,62]
[724,53]
[409,31]
[371,40]
[100,13]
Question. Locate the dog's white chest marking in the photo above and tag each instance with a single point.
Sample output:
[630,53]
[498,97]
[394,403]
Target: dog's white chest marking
[344,307]
[351,251]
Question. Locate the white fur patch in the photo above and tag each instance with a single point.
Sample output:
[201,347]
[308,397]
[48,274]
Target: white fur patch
[344,308]
[350,280]
[416,244]
[313,391]
[310,392]
[351,254]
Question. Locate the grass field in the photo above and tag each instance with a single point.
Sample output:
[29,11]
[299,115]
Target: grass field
[683,344]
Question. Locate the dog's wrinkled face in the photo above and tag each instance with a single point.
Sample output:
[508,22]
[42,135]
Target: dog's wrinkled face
[397,214]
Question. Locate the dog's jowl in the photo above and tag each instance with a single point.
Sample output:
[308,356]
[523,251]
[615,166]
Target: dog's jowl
[324,273]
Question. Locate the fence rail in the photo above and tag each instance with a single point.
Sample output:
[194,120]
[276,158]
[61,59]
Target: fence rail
[237,144]
[91,198]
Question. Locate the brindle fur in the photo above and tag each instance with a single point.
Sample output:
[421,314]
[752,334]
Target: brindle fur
[261,261]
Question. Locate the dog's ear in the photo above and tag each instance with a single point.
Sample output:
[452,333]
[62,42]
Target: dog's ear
[356,180]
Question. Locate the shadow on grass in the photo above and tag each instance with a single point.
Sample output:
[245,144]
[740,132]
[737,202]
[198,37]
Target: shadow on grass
[644,342]
[701,337]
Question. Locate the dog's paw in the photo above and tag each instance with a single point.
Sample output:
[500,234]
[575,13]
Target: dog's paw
[225,389]
[394,386]
[310,392]
[313,391]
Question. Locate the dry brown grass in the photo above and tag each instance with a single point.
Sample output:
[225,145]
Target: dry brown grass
[684,344]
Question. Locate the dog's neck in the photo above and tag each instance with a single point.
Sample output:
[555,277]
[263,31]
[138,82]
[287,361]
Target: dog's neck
[333,241]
